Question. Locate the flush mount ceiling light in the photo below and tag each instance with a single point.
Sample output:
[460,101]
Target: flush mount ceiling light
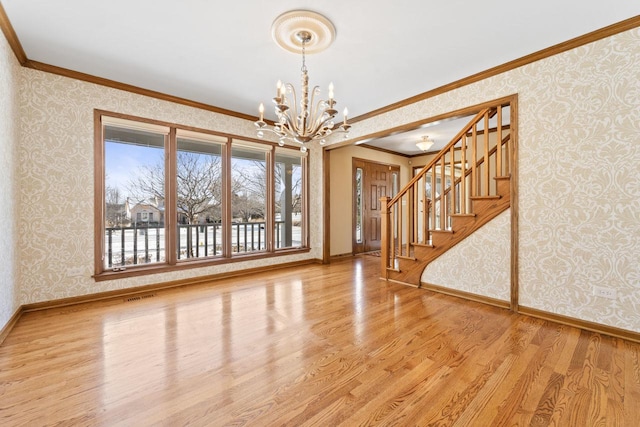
[305,119]
[425,143]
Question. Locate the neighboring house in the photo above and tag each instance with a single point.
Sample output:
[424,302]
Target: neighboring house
[147,213]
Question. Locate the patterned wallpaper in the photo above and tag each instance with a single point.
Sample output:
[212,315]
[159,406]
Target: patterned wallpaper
[55,161]
[579,173]
[9,82]
[480,264]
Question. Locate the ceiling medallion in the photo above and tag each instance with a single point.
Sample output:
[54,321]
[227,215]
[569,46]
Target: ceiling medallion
[304,120]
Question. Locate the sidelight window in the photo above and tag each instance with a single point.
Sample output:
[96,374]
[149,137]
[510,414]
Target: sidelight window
[358,202]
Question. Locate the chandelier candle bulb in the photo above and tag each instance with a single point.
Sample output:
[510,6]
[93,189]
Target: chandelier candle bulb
[330,91]
[344,113]
[261,110]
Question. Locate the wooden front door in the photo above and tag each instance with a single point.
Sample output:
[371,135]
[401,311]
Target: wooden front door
[371,182]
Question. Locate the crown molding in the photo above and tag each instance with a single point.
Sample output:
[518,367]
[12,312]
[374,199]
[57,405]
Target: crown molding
[12,37]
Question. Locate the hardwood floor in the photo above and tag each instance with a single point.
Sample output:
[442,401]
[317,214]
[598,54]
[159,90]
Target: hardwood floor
[315,345]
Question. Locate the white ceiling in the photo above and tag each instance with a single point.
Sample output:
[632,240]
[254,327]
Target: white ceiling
[221,52]
[440,132]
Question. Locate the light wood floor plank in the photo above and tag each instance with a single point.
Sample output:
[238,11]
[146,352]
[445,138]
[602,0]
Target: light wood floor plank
[320,345]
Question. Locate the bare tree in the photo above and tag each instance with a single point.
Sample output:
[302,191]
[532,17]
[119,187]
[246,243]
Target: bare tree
[256,183]
[199,184]
[149,182]
[246,207]
[248,193]
[199,189]
[114,205]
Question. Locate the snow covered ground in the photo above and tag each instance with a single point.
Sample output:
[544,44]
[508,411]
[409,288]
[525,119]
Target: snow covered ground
[147,245]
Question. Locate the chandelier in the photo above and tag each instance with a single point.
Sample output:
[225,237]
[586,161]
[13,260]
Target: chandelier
[307,118]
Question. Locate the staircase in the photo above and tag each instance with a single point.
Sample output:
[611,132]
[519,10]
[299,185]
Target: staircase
[467,184]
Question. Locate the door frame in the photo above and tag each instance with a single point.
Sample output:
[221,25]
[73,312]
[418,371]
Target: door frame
[356,162]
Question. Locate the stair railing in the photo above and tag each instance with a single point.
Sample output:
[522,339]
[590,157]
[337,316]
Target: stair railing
[463,170]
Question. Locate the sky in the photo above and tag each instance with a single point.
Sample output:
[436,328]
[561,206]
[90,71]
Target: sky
[123,162]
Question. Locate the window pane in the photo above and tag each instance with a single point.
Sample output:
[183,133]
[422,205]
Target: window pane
[134,197]
[248,199]
[199,199]
[358,205]
[395,183]
[288,200]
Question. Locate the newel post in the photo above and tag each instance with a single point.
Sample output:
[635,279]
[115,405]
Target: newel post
[385,236]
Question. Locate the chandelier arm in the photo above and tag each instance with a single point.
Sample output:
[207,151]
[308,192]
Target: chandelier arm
[322,125]
[294,108]
[267,129]
[292,91]
[313,110]
[319,123]
[288,131]
[286,124]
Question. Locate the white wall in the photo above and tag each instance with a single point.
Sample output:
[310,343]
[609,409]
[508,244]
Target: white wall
[9,119]
[55,170]
[579,175]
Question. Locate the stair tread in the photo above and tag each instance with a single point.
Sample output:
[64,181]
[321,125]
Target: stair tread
[468,215]
[423,245]
[441,231]
[505,177]
[410,258]
[491,197]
